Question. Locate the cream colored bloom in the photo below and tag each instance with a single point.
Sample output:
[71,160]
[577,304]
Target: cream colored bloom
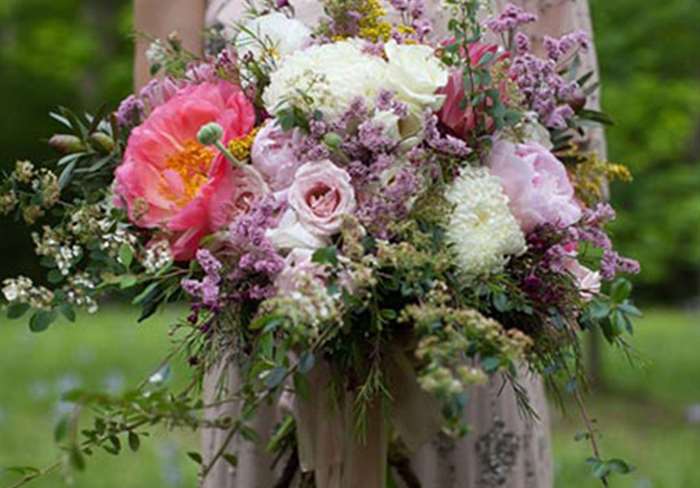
[333,75]
[274,32]
[415,73]
[482,231]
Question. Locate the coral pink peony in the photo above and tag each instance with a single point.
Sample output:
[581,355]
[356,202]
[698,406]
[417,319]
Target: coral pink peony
[171,182]
[536,183]
[461,119]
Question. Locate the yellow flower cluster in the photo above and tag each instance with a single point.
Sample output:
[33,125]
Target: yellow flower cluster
[591,176]
[372,24]
[240,148]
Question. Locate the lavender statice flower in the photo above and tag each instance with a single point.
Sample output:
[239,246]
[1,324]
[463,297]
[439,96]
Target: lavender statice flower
[522,43]
[258,261]
[374,137]
[543,88]
[387,102]
[158,91]
[446,144]
[401,5]
[392,204]
[510,19]
[559,48]
[208,289]
[130,112]
[591,230]
[201,73]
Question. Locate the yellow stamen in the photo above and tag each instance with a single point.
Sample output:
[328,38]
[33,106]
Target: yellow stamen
[240,148]
[192,163]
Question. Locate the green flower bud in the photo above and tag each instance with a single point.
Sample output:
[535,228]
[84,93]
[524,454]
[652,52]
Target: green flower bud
[66,143]
[102,142]
[332,140]
[210,133]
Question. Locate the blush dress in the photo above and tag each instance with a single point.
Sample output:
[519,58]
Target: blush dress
[504,448]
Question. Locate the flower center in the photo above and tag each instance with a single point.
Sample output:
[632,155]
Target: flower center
[323,200]
[192,165]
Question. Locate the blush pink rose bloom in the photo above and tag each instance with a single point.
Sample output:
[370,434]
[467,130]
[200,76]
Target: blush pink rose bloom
[170,182]
[320,195]
[536,184]
[273,156]
[460,119]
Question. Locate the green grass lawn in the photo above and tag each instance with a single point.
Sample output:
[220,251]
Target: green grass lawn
[642,413]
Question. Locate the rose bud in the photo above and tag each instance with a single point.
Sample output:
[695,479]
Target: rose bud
[66,143]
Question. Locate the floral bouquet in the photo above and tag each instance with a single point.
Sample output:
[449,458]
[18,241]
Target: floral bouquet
[365,218]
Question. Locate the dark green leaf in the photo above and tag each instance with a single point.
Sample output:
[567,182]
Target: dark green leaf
[231,459]
[76,458]
[326,255]
[126,255]
[134,441]
[17,310]
[490,364]
[67,311]
[306,362]
[61,429]
[55,277]
[41,320]
[275,377]
[620,291]
[195,456]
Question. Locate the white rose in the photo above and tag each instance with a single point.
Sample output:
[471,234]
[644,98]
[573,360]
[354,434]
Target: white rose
[292,234]
[277,31]
[415,73]
[333,75]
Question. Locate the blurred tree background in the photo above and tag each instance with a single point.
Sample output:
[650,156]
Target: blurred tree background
[78,53]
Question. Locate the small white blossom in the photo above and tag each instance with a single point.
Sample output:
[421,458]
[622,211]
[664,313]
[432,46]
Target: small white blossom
[157,256]
[22,290]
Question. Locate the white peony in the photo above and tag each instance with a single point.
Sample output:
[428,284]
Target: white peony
[333,75]
[415,74]
[275,32]
[482,230]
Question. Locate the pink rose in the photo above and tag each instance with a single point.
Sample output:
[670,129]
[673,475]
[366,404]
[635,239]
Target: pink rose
[298,266]
[536,183]
[320,195]
[171,182]
[273,155]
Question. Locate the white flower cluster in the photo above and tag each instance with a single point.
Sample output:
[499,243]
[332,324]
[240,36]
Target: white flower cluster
[157,257]
[348,72]
[22,290]
[63,252]
[77,292]
[482,231]
[89,221]
[156,53]
[113,241]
